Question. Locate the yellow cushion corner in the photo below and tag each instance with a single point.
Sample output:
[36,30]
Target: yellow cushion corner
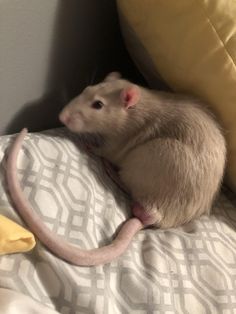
[14,238]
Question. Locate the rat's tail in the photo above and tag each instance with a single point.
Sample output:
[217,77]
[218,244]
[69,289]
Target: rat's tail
[52,241]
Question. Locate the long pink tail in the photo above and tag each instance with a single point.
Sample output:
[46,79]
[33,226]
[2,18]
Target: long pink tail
[52,241]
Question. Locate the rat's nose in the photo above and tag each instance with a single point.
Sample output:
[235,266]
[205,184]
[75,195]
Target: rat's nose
[64,117]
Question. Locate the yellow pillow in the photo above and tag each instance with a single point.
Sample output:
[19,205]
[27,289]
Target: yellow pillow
[14,238]
[191,44]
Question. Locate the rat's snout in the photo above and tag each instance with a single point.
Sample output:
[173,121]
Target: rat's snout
[73,120]
[64,117]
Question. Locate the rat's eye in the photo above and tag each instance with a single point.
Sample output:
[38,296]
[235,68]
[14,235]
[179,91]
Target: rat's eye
[97,104]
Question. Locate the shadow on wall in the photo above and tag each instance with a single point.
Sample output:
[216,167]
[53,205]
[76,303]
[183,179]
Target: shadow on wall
[86,45]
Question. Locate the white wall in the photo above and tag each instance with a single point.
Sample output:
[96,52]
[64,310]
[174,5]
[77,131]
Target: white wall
[49,50]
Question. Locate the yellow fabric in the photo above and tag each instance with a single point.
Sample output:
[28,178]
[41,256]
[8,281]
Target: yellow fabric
[192,44]
[14,238]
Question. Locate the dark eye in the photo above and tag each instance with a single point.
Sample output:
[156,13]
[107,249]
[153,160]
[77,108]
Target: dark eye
[97,105]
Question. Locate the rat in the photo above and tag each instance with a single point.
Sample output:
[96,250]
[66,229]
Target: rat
[168,150]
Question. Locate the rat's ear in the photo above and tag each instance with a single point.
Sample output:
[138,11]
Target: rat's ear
[112,76]
[130,96]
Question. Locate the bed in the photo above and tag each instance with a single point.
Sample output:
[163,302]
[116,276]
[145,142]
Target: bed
[191,269]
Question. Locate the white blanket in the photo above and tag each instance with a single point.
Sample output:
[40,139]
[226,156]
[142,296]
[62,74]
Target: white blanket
[185,270]
[14,303]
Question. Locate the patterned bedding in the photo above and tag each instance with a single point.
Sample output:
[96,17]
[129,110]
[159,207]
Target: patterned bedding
[186,270]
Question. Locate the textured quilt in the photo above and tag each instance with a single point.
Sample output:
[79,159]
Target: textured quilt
[186,270]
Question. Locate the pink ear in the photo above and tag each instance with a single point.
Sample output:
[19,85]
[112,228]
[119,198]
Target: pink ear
[130,96]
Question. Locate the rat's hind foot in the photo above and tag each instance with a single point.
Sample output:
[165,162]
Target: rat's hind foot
[146,216]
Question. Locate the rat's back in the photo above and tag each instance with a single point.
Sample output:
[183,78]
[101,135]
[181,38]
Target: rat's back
[175,170]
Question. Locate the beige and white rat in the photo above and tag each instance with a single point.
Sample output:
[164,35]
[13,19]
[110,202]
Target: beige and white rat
[169,152]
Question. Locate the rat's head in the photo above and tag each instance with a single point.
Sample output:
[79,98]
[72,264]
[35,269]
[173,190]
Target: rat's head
[101,108]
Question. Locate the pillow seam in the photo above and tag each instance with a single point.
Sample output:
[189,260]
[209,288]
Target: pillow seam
[217,34]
